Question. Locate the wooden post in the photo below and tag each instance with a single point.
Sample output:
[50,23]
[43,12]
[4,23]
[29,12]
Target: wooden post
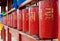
[9,35]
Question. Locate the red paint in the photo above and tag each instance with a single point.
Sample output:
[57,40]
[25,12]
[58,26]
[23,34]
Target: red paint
[7,19]
[59,22]
[33,20]
[25,38]
[3,20]
[25,19]
[9,35]
[19,19]
[59,29]
[11,19]
[3,34]
[48,19]
[15,19]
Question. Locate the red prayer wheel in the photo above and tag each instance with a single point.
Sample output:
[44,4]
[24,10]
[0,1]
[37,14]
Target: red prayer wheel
[25,20]
[33,20]
[59,22]
[59,29]
[19,19]
[3,20]
[7,19]
[48,19]
[11,19]
[14,19]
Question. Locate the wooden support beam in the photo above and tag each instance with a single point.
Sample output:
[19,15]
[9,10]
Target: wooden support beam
[24,3]
[22,33]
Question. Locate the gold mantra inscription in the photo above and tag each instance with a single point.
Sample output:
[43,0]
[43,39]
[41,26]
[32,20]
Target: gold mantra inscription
[25,16]
[49,13]
[33,16]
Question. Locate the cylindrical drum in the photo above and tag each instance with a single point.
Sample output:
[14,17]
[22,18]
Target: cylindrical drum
[25,19]
[48,19]
[33,20]
[19,19]
[7,19]
[59,21]
[14,19]
[59,29]
[3,19]
[11,19]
